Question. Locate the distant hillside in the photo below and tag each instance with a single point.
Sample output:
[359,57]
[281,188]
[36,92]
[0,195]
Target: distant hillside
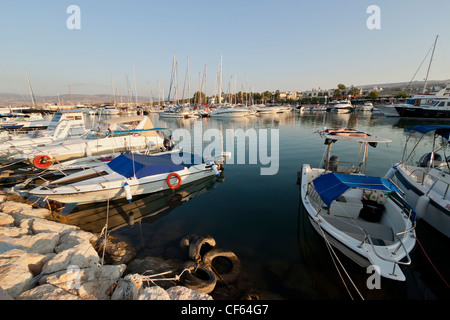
[11,99]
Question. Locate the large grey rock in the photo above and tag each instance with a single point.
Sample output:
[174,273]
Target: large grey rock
[128,288]
[6,220]
[42,243]
[17,269]
[82,256]
[43,225]
[73,238]
[183,293]
[154,293]
[20,211]
[89,283]
[47,292]
[13,232]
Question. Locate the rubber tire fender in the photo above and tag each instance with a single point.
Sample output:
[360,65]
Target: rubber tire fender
[192,281]
[236,269]
[195,243]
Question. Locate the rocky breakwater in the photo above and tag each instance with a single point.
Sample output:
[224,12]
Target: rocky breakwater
[44,259]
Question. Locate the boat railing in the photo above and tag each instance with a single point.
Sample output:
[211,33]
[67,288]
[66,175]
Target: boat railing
[395,262]
[314,198]
[433,178]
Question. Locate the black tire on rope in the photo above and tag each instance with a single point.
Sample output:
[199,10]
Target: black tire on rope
[195,244]
[199,278]
[226,277]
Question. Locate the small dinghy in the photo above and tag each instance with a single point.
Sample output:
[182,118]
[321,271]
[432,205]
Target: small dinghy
[129,175]
[365,217]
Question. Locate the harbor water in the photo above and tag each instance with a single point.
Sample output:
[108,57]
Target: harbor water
[261,218]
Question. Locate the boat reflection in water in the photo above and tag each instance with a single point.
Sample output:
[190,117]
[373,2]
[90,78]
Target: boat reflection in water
[120,213]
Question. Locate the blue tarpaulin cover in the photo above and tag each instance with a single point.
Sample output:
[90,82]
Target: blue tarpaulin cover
[331,185]
[139,165]
[443,130]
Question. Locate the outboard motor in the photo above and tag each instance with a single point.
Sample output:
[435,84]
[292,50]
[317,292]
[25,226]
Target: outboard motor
[168,143]
[333,163]
[425,159]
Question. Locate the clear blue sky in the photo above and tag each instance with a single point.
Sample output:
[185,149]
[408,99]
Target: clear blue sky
[267,45]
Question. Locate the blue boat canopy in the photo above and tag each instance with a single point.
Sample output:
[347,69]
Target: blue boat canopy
[130,165]
[443,130]
[331,185]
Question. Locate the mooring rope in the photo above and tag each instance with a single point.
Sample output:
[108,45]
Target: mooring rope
[435,269]
[333,257]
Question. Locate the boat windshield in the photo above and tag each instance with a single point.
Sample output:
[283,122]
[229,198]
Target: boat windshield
[95,134]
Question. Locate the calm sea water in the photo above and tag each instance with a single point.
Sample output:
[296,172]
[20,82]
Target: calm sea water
[261,219]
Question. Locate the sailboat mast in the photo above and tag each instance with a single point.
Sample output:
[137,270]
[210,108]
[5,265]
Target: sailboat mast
[33,101]
[429,65]
[220,81]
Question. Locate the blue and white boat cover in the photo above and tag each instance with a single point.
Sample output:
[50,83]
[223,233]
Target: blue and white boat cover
[139,166]
[331,185]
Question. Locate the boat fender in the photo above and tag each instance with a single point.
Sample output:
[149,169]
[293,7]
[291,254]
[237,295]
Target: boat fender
[390,174]
[42,161]
[421,206]
[176,175]
[199,278]
[214,168]
[127,189]
[223,277]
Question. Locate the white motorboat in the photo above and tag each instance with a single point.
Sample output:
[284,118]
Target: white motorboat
[174,112]
[126,176]
[64,125]
[340,106]
[269,109]
[229,111]
[109,110]
[365,107]
[426,182]
[113,135]
[365,217]
[25,122]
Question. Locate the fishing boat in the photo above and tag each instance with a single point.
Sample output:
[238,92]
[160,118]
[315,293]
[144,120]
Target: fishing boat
[129,175]
[426,182]
[112,135]
[340,106]
[65,124]
[365,217]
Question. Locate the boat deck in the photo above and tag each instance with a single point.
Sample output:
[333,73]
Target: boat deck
[358,228]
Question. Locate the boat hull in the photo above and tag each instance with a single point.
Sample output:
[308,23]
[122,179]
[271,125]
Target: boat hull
[115,189]
[436,213]
[418,112]
[361,252]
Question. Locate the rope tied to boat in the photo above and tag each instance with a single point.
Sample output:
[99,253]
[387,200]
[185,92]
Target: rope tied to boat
[333,257]
[429,260]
